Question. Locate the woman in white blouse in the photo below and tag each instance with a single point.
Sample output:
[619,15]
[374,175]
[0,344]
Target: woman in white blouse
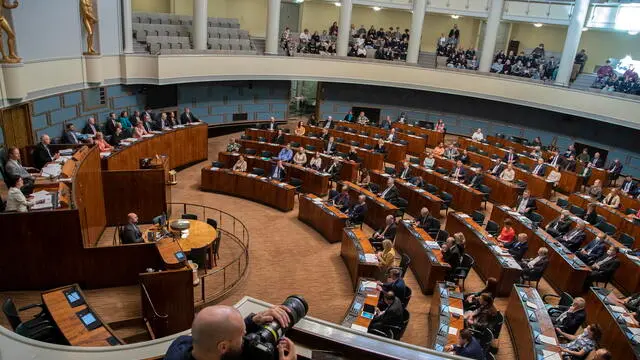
[554,176]
[508,174]
[429,161]
[316,162]
[300,158]
[16,201]
[240,165]
[477,136]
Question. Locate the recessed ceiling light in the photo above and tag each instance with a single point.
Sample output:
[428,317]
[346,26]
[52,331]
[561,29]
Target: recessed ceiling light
[337,3]
[585,29]
[455,16]
[634,32]
[377,8]
[537,25]
[299,1]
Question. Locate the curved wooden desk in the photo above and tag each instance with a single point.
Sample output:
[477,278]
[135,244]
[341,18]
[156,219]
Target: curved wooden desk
[415,196]
[366,294]
[327,220]
[433,137]
[200,234]
[354,248]
[415,144]
[377,208]
[182,145]
[443,324]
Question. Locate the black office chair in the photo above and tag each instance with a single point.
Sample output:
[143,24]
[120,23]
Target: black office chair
[484,336]
[577,210]
[368,147]
[297,183]
[482,152]
[434,229]
[201,257]
[500,135]
[189,216]
[389,170]
[401,204]
[431,188]
[529,278]
[486,193]
[257,171]
[405,322]
[472,148]
[213,223]
[363,133]
[245,137]
[250,151]
[605,278]
[414,160]
[462,271]
[407,297]
[262,139]
[630,211]
[354,143]
[478,217]
[339,140]
[492,227]
[310,148]
[403,142]
[404,263]
[606,228]
[217,164]
[12,313]
[446,201]
[215,247]
[599,219]
[535,218]
[266,154]
[626,240]
[441,170]
[564,302]
[563,203]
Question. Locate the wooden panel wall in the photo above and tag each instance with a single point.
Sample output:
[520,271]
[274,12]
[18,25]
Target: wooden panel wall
[88,197]
[140,191]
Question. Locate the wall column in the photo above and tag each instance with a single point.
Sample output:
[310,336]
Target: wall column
[273,25]
[574,32]
[199,25]
[127,26]
[490,34]
[415,36]
[344,28]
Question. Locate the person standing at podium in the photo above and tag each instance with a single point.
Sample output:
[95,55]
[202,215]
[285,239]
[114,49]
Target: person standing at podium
[131,233]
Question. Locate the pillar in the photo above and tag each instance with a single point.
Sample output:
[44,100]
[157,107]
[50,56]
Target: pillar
[13,76]
[415,36]
[199,24]
[344,28]
[572,41]
[273,25]
[127,27]
[490,34]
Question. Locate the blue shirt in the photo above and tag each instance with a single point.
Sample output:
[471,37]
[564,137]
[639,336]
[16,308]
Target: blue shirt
[285,154]
[472,350]
[126,124]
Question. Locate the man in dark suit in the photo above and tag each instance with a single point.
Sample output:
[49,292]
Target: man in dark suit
[391,316]
[560,225]
[42,154]
[131,233]
[386,123]
[69,136]
[497,168]
[187,117]
[467,346]
[596,161]
[477,179]
[390,193]
[392,136]
[614,169]
[458,172]
[533,268]
[358,211]
[278,138]
[162,123]
[330,146]
[510,157]
[394,283]
[388,232]
[593,250]
[147,122]
[574,238]
[91,128]
[417,181]
[540,168]
[334,169]
[525,203]
[324,136]
[329,123]
[425,221]
[556,159]
[517,249]
[570,321]
[272,124]
[604,267]
[405,173]
[149,113]
[110,127]
[278,172]
[570,164]
[571,151]
[341,201]
[629,186]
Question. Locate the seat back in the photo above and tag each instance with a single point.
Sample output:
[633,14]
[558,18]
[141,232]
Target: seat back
[563,203]
[199,256]
[389,170]
[217,164]
[626,240]
[295,182]
[446,197]
[11,313]
[576,210]
[442,236]
[310,148]
[266,154]
[478,217]
[404,263]
[492,227]
[467,261]
[190,216]
[431,188]
[630,211]
[213,223]
[441,170]
[250,151]
[257,171]
[606,228]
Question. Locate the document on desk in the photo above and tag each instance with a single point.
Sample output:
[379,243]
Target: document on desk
[42,200]
[433,244]
[148,136]
[105,153]
[359,327]
[532,305]
[369,284]
[618,309]
[51,170]
[456,310]
[370,258]
[550,355]
[547,339]
[453,331]
[66,152]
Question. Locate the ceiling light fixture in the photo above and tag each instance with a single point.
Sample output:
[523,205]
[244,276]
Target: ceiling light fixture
[455,16]
[337,3]
[299,1]
[377,8]
[537,25]
[585,29]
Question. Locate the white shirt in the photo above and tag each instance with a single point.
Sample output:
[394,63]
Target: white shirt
[304,37]
[16,201]
[477,136]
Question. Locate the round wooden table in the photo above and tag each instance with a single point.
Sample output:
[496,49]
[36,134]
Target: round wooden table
[200,235]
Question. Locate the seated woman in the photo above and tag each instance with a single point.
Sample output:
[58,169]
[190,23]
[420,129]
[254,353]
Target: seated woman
[364,178]
[483,315]
[440,126]
[139,131]
[240,165]
[581,345]
[429,161]
[612,199]
[299,129]
[595,190]
[353,154]
[507,233]
[300,158]
[471,301]
[16,201]
[554,176]
[124,120]
[460,242]
[103,146]
[379,148]
[388,258]
[172,120]
[439,150]
[316,162]
[508,174]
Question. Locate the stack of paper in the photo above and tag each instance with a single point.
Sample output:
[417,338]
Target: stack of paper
[369,284]
[51,170]
[66,152]
[147,136]
[371,258]
[618,309]
[433,245]
[456,310]
[547,339]
[532,305]
[550,355]
[105,154]
[42,200]
[131,140]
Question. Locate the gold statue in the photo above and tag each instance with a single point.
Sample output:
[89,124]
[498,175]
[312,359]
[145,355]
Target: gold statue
[88,19]
[11,36]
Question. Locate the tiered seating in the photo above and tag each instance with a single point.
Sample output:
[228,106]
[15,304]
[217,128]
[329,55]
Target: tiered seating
[168,33]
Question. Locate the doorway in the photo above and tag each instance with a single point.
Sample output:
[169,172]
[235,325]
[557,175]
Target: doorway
[16,126]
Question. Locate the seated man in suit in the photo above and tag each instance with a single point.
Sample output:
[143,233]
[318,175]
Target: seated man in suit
[187,117]
[386,123]
[271,125]
[278,138]
[324,135]
[477,179]
[379,147]
[417,181]
[464,157]
[574,238]
[329,123]
[330,146]
[614,170]
[69,136]
[341,201]
[42,154]
[570,321]
[131,233]
[110,126]
[394,283]
[458,172]
[286,154]
[603,267]
[593,250]
[14,169]
[278,172]
[91,128]
[629,186]
[525,203]
[392,136]
[333,192]
[162,123]
[391,316]
[334,169]
[533,268]
[390,193]
[560,225]
[570,164]
[388,232]
[510,157]
[497,168]
[451,255]
[518,248]
[540,168]
[427,222]
[467,346]
[596,161]
[117,136]
[405,173]
[451,152]
[358,211]
[556,159]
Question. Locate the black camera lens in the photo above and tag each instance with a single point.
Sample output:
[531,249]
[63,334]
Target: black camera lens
[298,306]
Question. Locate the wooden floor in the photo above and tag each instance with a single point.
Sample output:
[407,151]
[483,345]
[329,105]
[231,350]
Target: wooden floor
[286,257]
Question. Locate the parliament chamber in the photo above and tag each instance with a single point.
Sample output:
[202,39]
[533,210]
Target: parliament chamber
[170,168]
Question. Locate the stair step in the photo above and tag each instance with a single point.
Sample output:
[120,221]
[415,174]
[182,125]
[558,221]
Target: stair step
[136,338]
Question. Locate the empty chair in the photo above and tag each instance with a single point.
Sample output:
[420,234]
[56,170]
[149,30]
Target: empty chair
[257,171]
[310,148]
[442,236]
[486,193]
[250,151]
[368,147]
[217,164]
[297,183]
[434,229]
[535,218]
[446,201]
[492,227]
[563,203]
[354,143]
[463,270]
[202,257]
[339,140]
[189,216]
[576,210]
[478,217]
[630,211]
[431,188]
[389,170]
[606,228]
[213,223]
[266,154]
[414,160]
[441,170]
[404,265]
[262,139]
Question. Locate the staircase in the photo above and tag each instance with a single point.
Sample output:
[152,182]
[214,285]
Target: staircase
[259,43]
[427,59]
[583,81]
[132,330]
[139,48]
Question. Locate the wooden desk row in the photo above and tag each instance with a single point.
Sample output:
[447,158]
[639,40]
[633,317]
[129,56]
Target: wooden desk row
[415,196]
[490,259]
[433,137]
[445,316]
[267,191]
[349,168]
[315,182]
[518,147]
[565,272]
[415,144]
[377,208]
[358,255]
[615,217]
[199,235]
[627,277]
[365,298]
[328,220]
[427,262]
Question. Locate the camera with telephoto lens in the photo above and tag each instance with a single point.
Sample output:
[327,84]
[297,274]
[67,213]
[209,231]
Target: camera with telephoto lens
[262,344]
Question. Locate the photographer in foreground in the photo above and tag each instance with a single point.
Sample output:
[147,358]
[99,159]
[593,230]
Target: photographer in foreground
[217,333]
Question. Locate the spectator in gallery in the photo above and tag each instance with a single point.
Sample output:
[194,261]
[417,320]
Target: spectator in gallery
[440,127]
[581,59]
[538,52]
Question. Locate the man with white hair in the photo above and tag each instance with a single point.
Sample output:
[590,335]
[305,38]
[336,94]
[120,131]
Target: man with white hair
[329,123]
[91,128]
[42,153]
[217,333]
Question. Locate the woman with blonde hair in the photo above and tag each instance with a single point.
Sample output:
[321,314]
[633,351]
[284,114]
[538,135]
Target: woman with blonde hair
[388,257]
[300,130]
